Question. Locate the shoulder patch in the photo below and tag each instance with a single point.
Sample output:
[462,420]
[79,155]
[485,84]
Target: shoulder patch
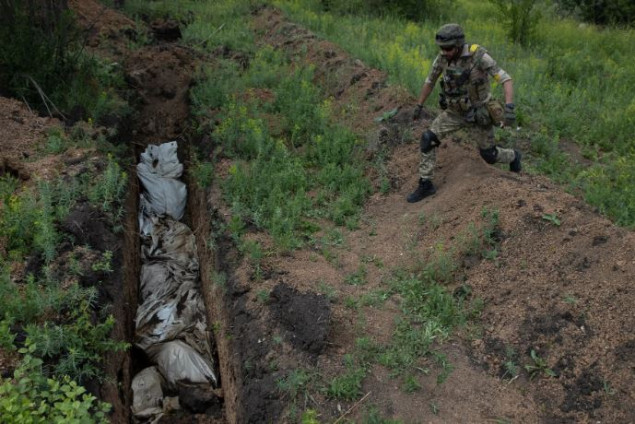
[474,48]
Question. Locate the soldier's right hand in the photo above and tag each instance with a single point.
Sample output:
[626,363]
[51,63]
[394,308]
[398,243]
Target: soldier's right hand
[510,116]
[417,112]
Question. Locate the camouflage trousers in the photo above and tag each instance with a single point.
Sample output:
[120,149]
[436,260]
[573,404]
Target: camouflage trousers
[448,122]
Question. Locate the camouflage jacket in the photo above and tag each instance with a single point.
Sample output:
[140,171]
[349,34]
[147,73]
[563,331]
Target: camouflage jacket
[466,79]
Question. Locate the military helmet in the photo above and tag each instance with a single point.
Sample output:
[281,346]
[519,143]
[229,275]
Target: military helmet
[450,35]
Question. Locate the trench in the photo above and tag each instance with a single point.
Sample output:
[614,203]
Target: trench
[124,366]
[159,118]
[161,75]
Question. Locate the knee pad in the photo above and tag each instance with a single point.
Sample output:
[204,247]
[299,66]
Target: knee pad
[429,141]
[489,155]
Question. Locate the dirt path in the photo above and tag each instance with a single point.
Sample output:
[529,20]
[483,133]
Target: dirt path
[560,283]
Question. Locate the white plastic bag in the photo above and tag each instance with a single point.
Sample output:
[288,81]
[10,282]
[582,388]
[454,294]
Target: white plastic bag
[163,194]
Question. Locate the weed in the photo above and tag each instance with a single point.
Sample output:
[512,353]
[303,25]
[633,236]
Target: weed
[262,296]
[203,173]
[537,366]
[35,300]
[295,383]
[79,345]
[570,299]
[41,48]
[46,236]
[552,218]
[411,384]
[372,259]
[366,351]
[348,385]
[327,290]
[512,369]
[375,298]
[56,141]
[442,266]
[20,217]
[214,86]
[446,367]
[310,416]
[373,416]
[104,264]
[236,227]
[334,237]
[351,303]
[255,254]
[357,278]
[107,191]
[410,342]
[435,221]
[6,335]
[434,408]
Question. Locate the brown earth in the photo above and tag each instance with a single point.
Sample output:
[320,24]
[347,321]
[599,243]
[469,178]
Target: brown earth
[563,290]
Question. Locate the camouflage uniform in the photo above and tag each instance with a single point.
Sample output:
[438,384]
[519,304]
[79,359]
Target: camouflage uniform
[466,88]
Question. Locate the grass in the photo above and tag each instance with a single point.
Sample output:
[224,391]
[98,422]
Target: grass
[305,152]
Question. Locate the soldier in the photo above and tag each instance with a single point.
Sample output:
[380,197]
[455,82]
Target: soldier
[467,102]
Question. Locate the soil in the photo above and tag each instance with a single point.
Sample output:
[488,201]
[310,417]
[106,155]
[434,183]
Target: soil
[562,290]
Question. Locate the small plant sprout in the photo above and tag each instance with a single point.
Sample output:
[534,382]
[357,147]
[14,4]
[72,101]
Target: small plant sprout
[570,299]
[434,408]
[105,263]
[552,218]
[411,384]
[537,366]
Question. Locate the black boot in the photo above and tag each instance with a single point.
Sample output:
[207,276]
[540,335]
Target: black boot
[424,189]
[515,165]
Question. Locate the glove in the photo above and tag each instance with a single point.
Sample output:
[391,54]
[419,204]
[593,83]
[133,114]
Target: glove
[510,115]
[417,112]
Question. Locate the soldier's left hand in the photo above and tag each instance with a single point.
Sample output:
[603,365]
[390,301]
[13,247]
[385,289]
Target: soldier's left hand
[510,115]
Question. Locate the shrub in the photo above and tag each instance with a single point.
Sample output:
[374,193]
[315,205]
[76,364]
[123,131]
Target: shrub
[519,17]
[31,397]
[43,62]
[601,12]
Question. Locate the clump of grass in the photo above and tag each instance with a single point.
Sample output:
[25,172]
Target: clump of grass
[347,385]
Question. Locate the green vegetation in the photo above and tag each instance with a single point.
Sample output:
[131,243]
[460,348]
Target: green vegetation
[552,218]
[616,12]
[44,63]
[35,398]
[537,366]
[286,150]
[67,333]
